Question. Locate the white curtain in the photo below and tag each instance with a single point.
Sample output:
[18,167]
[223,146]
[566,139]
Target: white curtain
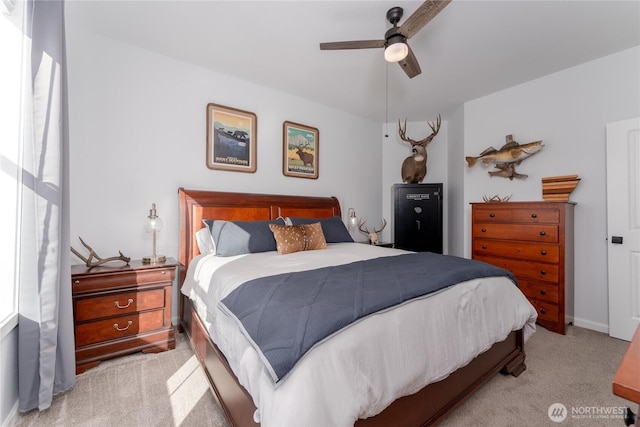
[46,350]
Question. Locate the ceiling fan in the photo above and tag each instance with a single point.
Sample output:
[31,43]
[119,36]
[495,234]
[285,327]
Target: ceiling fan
[395,39]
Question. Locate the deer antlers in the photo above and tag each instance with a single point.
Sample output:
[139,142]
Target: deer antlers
[92,254]
[373,236]
[366,231]
[435,127]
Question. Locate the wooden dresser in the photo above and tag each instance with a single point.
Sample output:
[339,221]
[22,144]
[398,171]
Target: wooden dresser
[533,240]
[121,309]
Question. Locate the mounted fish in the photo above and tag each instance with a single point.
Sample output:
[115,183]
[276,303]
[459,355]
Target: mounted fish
[507,158]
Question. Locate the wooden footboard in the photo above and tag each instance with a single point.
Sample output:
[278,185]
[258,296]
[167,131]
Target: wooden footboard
[426,407]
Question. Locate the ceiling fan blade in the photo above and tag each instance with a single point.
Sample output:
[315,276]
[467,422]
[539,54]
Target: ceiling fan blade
[421,17]
[355,44]
[410,65]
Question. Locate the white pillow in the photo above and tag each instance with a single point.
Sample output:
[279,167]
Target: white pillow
[205,241]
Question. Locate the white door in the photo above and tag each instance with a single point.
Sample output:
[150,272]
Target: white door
[623,226]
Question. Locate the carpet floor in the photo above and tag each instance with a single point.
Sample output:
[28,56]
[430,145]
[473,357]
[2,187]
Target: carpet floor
[170,389]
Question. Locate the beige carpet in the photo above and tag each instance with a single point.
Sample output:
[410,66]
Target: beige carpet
[169,389]
[156,389]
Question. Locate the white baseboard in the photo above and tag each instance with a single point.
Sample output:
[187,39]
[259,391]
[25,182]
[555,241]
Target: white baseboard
[12,417]
[594,326]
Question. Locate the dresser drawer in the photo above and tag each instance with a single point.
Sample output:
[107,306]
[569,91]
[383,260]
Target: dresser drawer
[547,312]
[118,327]
[542,291]
[532,233]
[550,216]
[93,282]
[525,269]
[517,249]
[491,215]
[529,215]
[118,304]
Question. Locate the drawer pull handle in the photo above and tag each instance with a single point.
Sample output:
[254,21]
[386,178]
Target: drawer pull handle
[543,272]
[484,246]
[543,292]
[117,328]
[543,252]
[77,282]
[129,302]
[484,230]
[534,215]
[542,233]
[492,215]
[164,272]
[543,311]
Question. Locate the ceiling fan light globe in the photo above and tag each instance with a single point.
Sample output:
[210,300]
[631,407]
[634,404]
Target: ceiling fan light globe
[396,52]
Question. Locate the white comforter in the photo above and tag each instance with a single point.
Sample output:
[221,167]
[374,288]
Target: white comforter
[359,371]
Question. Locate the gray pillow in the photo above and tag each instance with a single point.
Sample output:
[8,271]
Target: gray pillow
[333,228]
[242,237]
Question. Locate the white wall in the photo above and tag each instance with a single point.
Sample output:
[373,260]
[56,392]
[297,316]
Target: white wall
[568,111]
[455,184]
[137,134]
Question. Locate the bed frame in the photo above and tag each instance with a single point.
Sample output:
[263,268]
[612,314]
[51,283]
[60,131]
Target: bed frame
[426,407]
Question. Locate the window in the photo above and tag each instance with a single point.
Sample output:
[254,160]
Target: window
[11,24]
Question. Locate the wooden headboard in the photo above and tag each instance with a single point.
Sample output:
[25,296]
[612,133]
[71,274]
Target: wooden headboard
[196,205]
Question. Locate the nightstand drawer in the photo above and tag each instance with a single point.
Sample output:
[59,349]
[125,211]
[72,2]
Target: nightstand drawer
[100,282]
[516,249]
[118,304]
[118,327]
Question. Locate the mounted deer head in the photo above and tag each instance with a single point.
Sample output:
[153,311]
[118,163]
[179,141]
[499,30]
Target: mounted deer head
[414,167]
[373,236]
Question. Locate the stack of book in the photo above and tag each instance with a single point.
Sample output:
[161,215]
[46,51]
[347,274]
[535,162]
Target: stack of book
[558,188]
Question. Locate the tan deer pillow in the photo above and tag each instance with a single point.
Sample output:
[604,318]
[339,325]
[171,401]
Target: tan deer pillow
[296,238]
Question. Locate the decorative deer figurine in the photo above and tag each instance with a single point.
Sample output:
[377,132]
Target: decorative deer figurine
[414,167]
[373,236]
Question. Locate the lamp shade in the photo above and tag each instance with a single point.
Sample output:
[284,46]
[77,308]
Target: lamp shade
[396,50]
[153,224]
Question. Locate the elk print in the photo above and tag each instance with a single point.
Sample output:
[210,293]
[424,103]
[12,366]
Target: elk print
[301,151]
[414,167]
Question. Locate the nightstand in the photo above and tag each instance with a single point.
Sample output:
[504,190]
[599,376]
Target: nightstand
[122,309]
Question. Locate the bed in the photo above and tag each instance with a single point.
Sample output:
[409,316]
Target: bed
[425,404]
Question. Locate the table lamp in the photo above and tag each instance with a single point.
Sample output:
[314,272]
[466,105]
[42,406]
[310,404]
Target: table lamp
[153,225]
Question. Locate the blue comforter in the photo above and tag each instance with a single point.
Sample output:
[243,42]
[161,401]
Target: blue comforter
[287,314]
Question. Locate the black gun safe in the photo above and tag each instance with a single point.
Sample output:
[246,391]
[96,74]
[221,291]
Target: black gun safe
[417,218]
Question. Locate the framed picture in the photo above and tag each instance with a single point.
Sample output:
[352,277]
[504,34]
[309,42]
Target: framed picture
[300,150]
[231,139]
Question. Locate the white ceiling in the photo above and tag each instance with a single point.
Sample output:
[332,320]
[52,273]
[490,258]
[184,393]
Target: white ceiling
[472,48]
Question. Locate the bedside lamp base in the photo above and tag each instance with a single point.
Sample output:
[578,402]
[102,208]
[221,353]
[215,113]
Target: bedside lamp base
[154,259]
